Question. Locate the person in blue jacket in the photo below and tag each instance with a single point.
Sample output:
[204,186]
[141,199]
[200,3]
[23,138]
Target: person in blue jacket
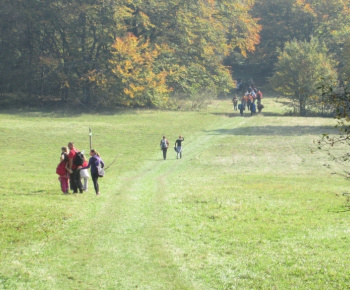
[252,109]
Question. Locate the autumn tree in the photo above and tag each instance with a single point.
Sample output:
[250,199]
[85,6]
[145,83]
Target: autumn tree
[200,34]
[286,20]
[300,72]
[136,80]
[64,48]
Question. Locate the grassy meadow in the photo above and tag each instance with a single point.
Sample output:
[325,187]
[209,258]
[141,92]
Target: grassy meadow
[247,207]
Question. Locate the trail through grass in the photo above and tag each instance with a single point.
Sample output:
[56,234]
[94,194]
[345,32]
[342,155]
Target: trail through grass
[248,206]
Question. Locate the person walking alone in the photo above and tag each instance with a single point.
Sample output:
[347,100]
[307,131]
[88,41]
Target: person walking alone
[164,144]
[178,146]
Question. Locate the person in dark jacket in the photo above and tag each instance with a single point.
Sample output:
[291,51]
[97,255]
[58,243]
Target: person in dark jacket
[178,146]
[95,162]
[235,102]
[260,107]
[75,181]
[252,109]
[164,144]
[241,108]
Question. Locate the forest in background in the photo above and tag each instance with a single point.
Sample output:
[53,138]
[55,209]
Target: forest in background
[135,53]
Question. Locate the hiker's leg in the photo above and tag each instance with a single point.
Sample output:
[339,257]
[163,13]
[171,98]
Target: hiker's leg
[95,181]
[179,150]
[85,187]
[65,185]
[78,181]
[73,184]
[61,183]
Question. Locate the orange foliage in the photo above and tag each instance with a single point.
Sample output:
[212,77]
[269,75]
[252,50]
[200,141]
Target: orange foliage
[134,63]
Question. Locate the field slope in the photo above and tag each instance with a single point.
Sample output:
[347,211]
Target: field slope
[248,205]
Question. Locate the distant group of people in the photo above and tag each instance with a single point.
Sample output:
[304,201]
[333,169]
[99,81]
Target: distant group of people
[73,168]
[73,165]
[250,100]
[164,145]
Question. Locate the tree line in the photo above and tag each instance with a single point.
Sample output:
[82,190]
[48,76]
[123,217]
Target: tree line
[127,53]
[139,53]
[305,47]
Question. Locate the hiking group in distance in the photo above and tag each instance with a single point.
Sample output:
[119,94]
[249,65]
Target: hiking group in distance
[73,164]
[248,100]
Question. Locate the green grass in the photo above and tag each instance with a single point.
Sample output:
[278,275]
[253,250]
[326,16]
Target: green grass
[248,206]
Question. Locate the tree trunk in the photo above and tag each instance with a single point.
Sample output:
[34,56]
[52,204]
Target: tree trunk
[86,94]
[302,107]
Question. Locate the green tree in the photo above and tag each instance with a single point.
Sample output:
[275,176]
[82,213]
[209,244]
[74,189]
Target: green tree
[301,70]
[286,20]
[339,99]
[345,68]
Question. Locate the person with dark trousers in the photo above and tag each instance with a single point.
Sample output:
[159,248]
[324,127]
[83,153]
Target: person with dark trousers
[252,109]
[241,108]
[260,107]
[75,181]
[94,162]
[235,102]
[178,146]
[164,144]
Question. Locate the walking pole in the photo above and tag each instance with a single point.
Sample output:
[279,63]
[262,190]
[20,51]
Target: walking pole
[90,135]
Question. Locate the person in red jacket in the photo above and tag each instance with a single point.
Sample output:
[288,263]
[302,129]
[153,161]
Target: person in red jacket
[75,180]
[64,171]
[259,96]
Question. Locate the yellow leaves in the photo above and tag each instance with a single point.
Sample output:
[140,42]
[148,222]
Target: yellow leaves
[134,63]
[145,20]
[306,7]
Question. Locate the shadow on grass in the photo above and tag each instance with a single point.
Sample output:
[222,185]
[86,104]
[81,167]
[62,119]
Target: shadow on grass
[247,115]
[38,192]
[274,131]
[69,113]
[345,208]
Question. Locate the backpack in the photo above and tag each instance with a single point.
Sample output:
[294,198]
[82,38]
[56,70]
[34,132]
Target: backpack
[78,159]
[164,143]
[61,168]
[259,95]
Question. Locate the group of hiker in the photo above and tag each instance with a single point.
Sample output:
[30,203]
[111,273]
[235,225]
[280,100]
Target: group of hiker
[73,168]
[164,145]
[250,100]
